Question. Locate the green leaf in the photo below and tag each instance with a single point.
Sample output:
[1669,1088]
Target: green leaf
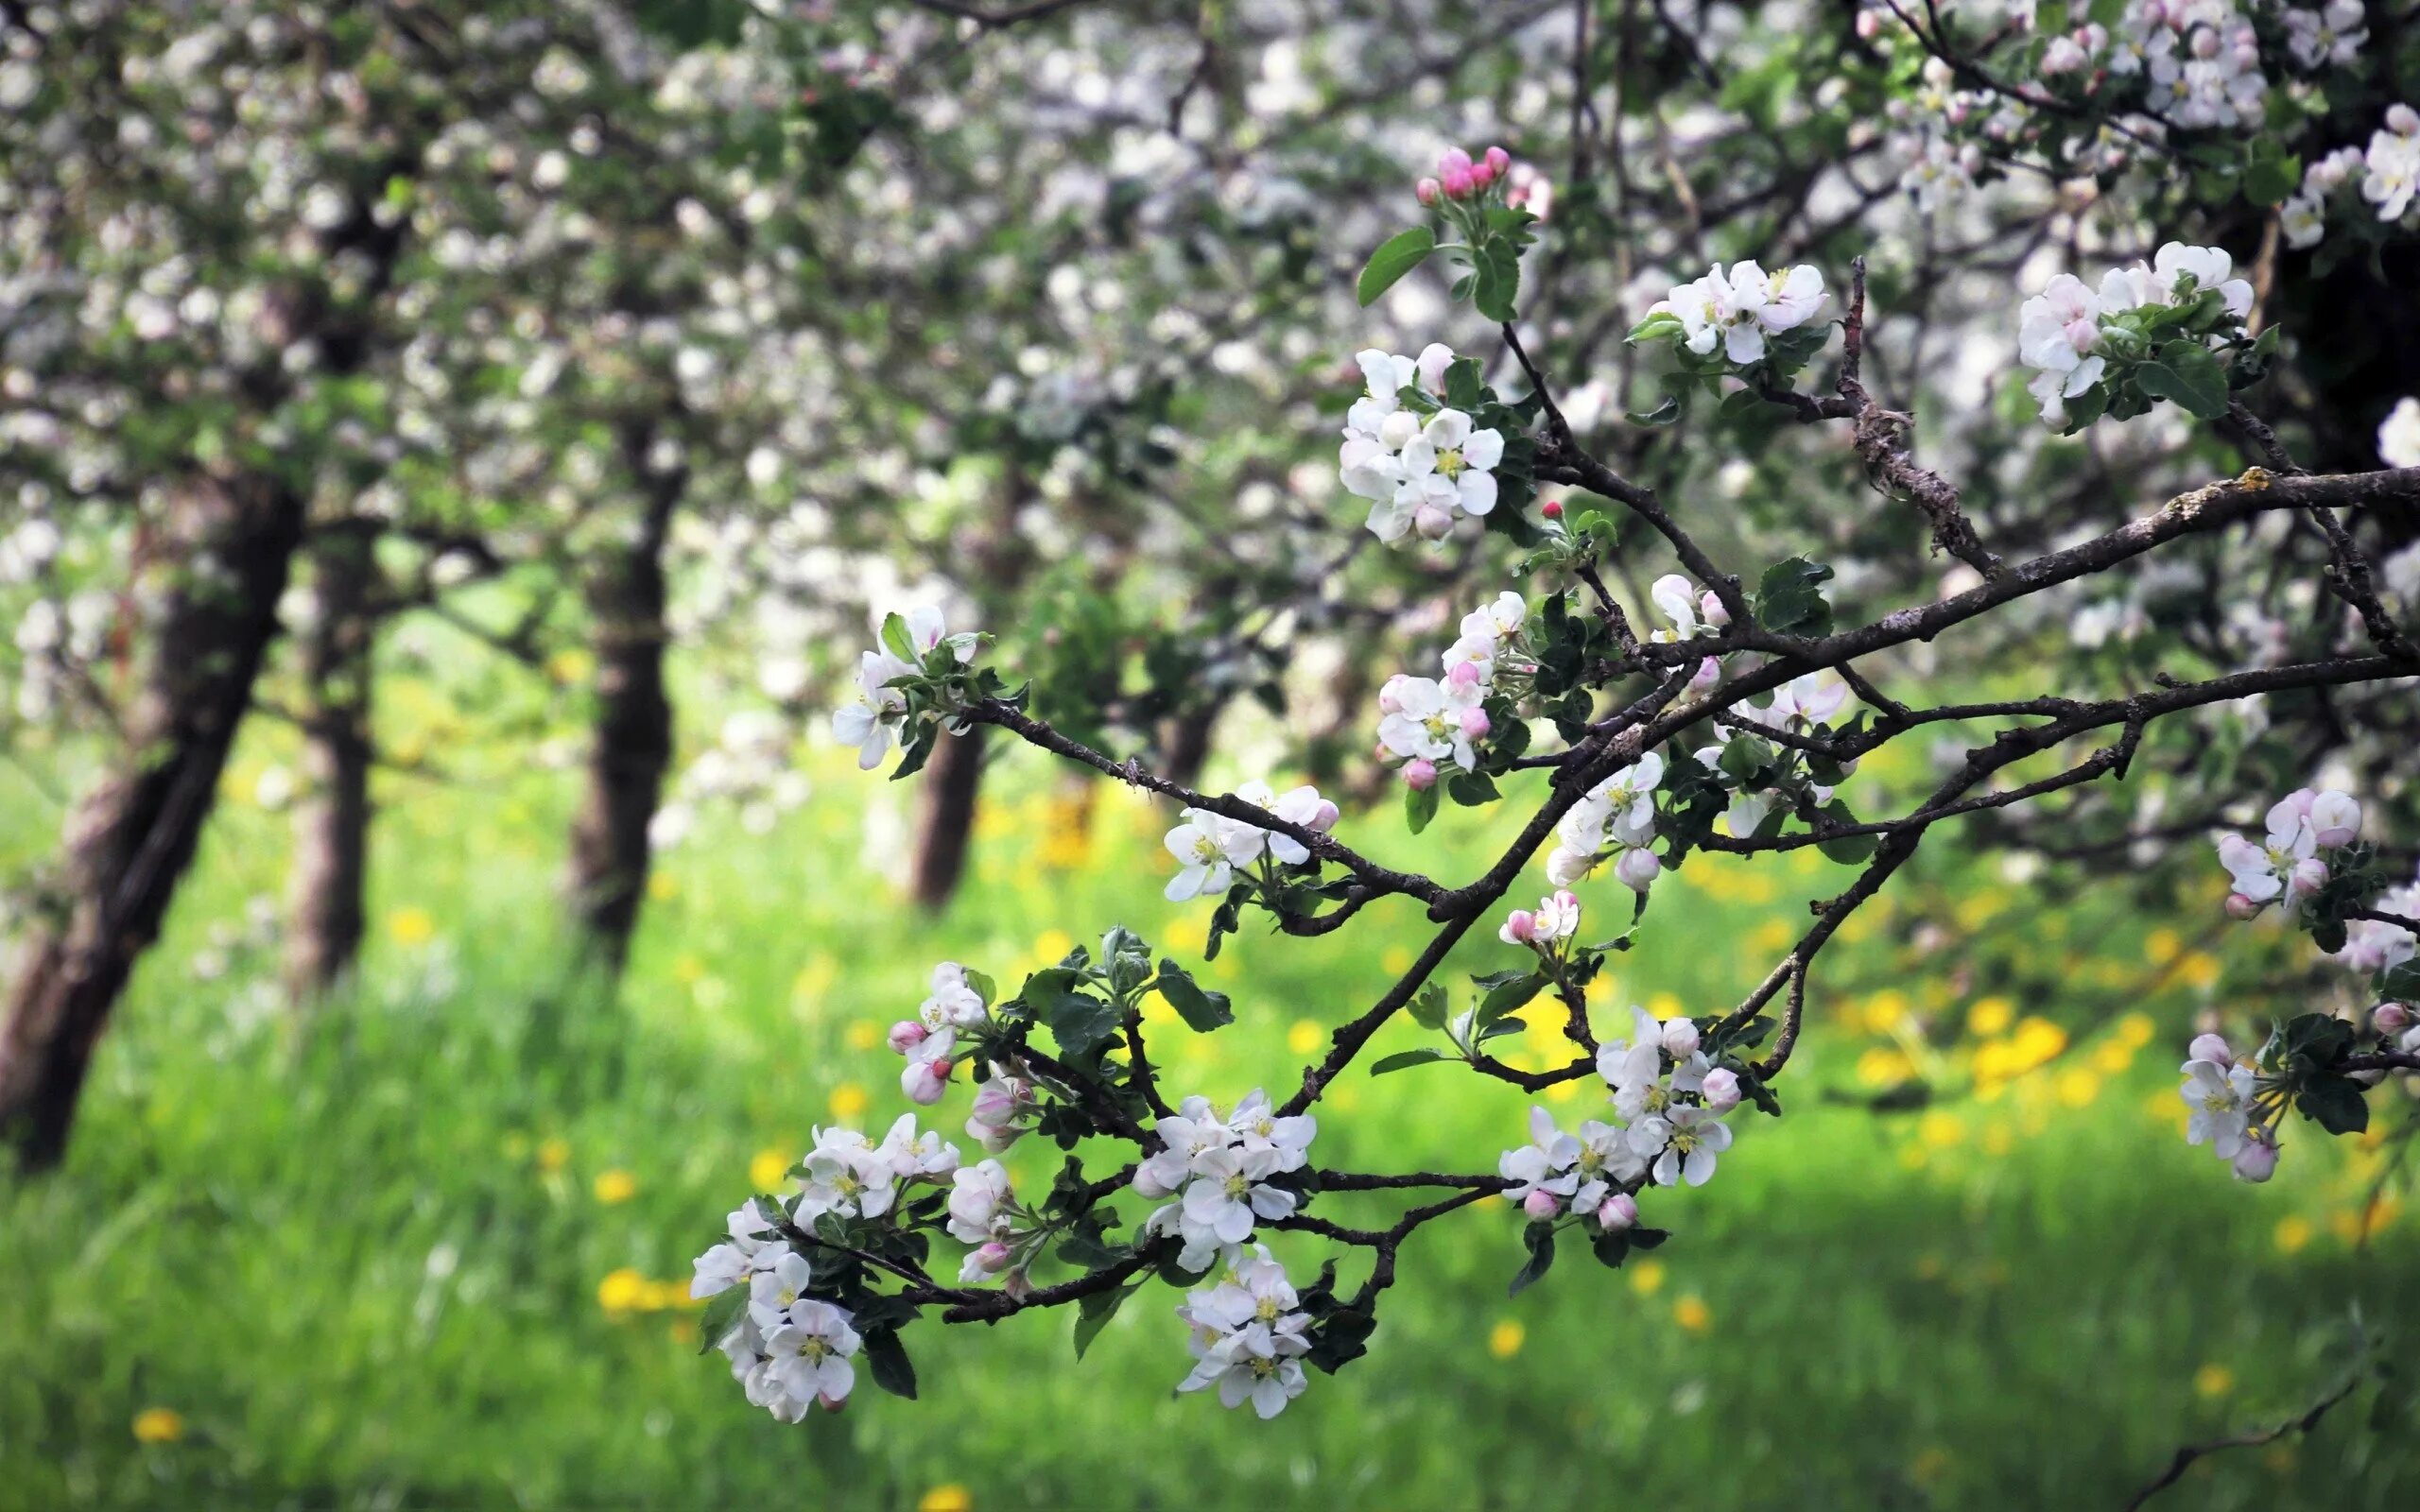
[1420,806]
[721,1314]
[2336,1104]
[1078,1021]
[1397,255]
[1405,1060]
[1540,1238]
[888,1359]
[1093,1313]
[1790,600]
[896,640]
[1507,998]
[2187,374]
[1471,789]
[1851,849]
[1496,281]
[1203,1010]
[1429,1006]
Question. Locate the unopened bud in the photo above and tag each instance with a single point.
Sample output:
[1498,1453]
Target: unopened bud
[1433,523]
[2257,1159]
[1497,161]
[1618,1212]
[1681,1038]
[2239,907]
[906,1035]
[1721,1090]
[1475,724]
[1712,610]
[2210,1047]
[1427,190]
[1465,675]
[1458,184]
[1552,508]
[1709,672]
[992,1258]
[1520,927]
[2392,1018]
[1540,1204]
[1391,694]
[1420,773]
[1637,869]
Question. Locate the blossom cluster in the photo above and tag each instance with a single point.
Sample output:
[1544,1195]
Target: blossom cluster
[2286,868]
[1741,310]
[1218,1170]
[878,717]
[1210,848]
[1669,1100]
[1422,464]
[930,1039]
[2226,1114]
[1616,818]
[1248,1335]
[2071,333]
[1426,722]
[1804,705]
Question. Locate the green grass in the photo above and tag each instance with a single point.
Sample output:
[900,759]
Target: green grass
[338,1253]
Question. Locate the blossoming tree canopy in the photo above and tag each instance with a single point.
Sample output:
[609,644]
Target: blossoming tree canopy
[1737,725]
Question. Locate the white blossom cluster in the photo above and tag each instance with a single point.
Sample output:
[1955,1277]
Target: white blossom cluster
[1545,928]
[1804,705]
[929,1039]
[1248,1335]
[1210,846]
[2286,868]
[1420,476]
[2063,332]
[874,722]
[2374,946]
[1670,1101]
[1616,818]
[1217,1170]
[2221,1093]
[1426,721]
[788,1351]
[1738,310]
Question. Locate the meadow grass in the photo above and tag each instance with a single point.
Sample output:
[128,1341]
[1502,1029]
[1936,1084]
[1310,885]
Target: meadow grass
[431,1246]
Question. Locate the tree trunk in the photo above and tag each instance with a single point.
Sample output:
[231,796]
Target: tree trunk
[632,744]
[129,841]
[950,786]
[331,823]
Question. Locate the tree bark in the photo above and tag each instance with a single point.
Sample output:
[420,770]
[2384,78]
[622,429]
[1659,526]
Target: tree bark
[632,745]
[949,788]
[230,544]
[324,911]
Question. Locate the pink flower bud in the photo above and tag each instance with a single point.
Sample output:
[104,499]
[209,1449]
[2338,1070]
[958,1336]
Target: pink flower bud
[1566,902]
[831,1404]
[1482,175]
[2257,1159]
[1465,675]
[2209,1047]
[906,1035]
[1420,773]
[1721,1090]
[1391,694]
[2308,877]
[1148,1186]
[1618,1212]
[1427,191]
[1475,722]
[1540,1205]
[1433,523]
[1322,818]
[2081,333]
[1681,1038]
[1711,610]
[923,1083]
[2239,908]
[1520,927]
[1636,870]
[1709,672]
[1459,183]
[1454,161]
[992,1258]
[1497,161]
[2392,1018]
[1552,508]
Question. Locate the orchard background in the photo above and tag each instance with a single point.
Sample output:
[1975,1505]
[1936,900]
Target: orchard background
[456,455]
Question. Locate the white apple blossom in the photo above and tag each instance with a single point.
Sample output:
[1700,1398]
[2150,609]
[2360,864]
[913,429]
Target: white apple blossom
[873,722]
[2058,333]
[1688,1141]
[2220,1095]
[1199,845]
[977,1195]
[1547,1164]
[1219,1169]
[775,1287]
[810,1353]
[2399,434]
[2392,163]
[1003,1111]
[2331,34]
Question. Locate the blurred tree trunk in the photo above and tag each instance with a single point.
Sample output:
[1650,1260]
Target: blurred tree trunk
[946,800]
[1184,742]
[952,780]
[632,745]
[128,841]
[331,823]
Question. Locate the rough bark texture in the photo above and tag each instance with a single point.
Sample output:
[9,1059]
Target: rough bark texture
[129,841]
[946,800]
[632,745]
[332,822]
